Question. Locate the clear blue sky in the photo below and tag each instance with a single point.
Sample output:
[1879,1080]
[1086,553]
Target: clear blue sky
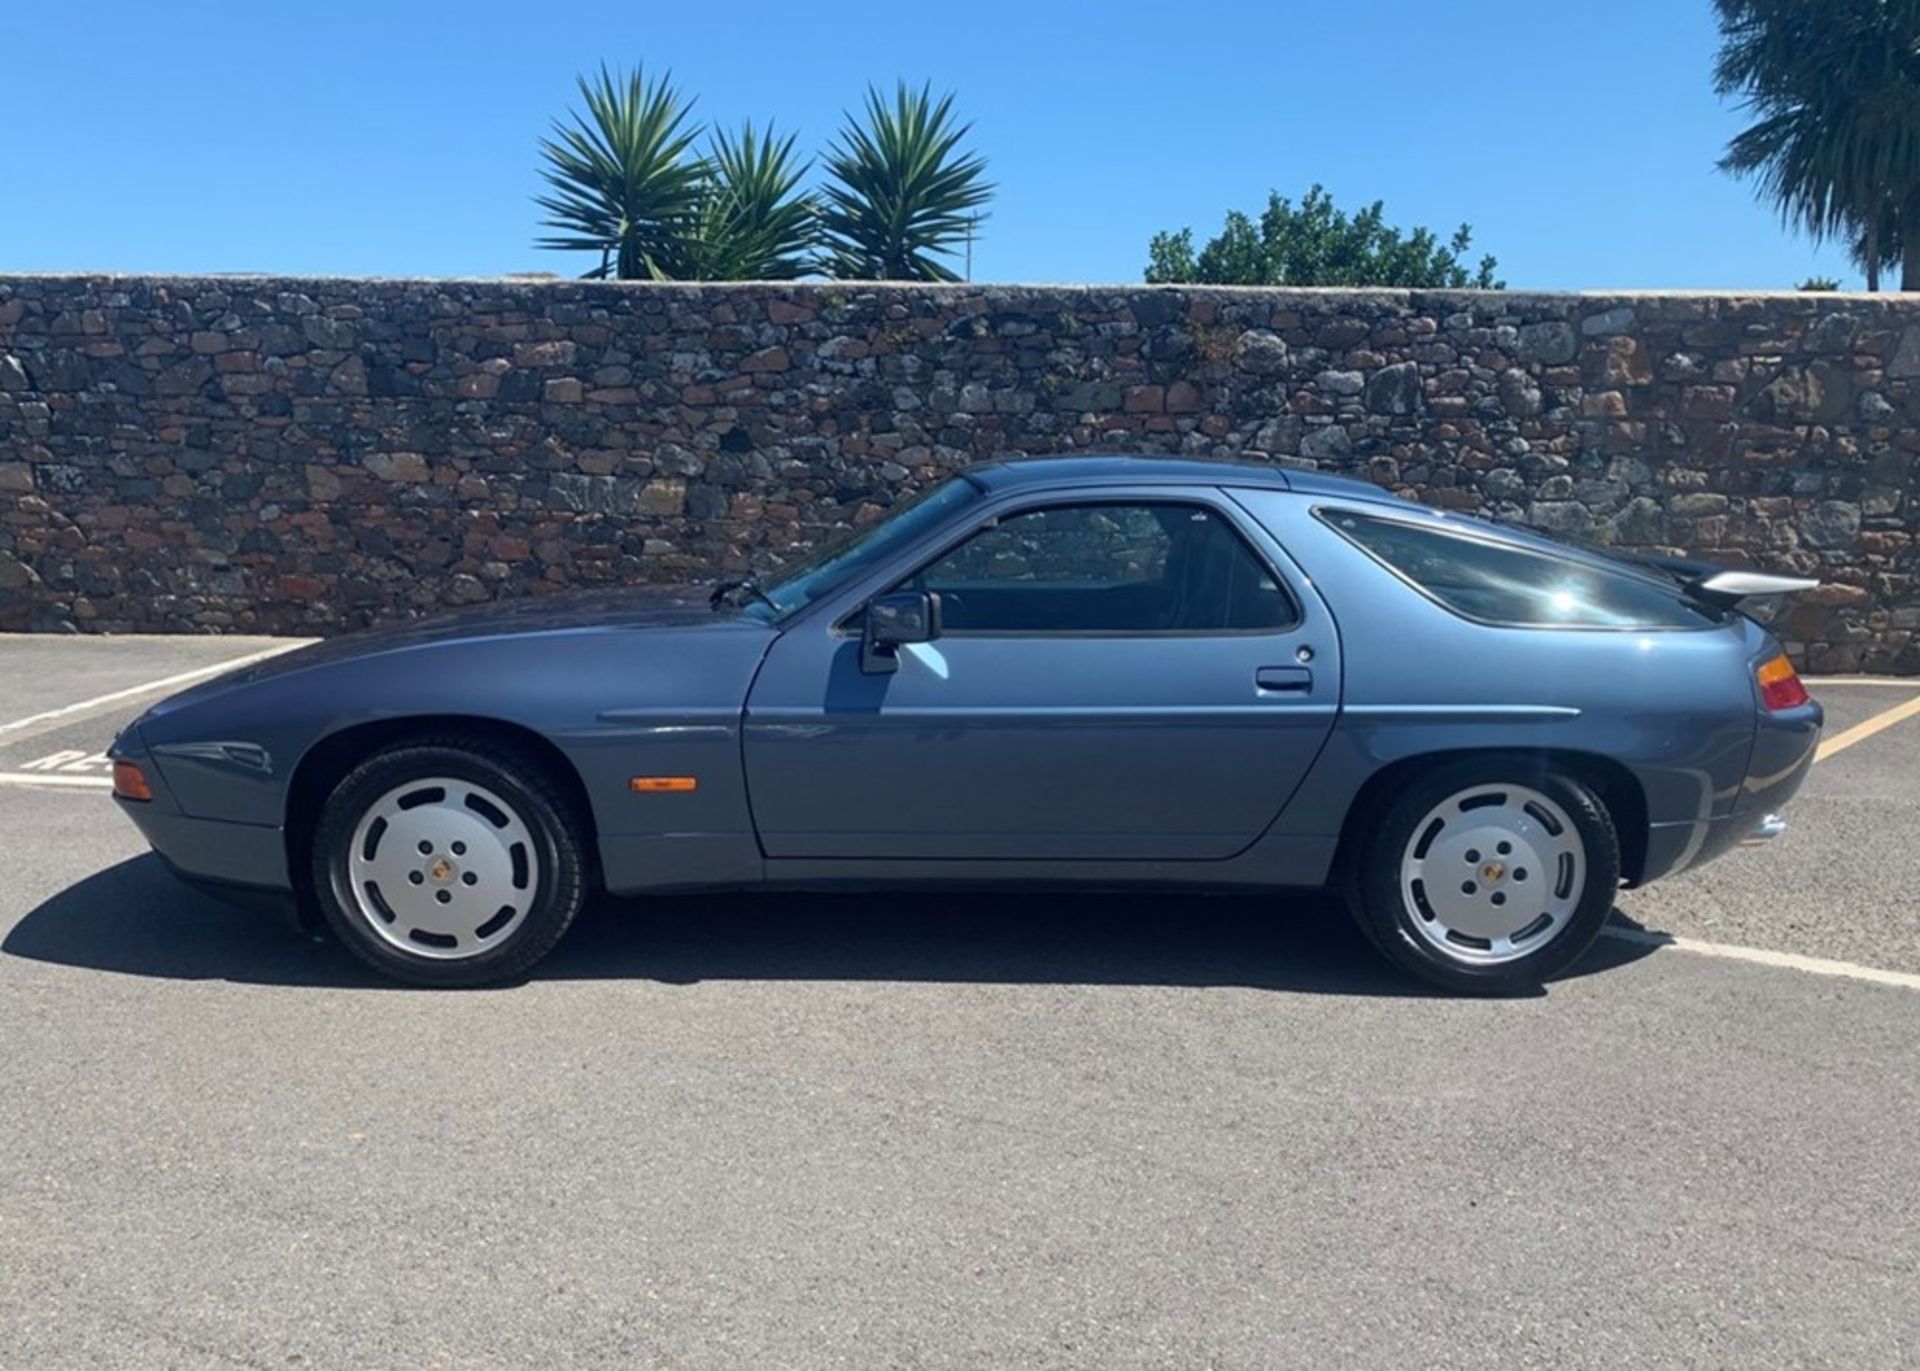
[398,138]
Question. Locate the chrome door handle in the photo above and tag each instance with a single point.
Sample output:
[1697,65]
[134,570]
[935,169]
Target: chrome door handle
[1290,679]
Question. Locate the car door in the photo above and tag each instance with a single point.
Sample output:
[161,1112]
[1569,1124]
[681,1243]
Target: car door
[1119,677]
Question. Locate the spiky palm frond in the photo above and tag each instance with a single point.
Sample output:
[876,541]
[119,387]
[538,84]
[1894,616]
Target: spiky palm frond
[901,190]
[753,224]
[622,182]
[1835,90]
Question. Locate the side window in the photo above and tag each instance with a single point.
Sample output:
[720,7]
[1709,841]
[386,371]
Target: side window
[1085,545]
[1502,584]
[1107,568]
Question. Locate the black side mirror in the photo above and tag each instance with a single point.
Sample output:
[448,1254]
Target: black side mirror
[905,616]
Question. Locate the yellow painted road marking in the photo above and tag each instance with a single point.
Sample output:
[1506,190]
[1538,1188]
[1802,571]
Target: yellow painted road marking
[1793,961]
[149,688]
[1839,742]
[1788,961]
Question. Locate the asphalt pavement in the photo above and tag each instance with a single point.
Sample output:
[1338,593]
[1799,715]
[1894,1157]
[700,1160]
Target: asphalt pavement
[912,1130]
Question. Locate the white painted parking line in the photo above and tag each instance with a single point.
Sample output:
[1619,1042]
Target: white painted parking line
[69,768]
[41,778]
[73,759]
[148,688]
[1883,682]
[1793,961]
[1760,956]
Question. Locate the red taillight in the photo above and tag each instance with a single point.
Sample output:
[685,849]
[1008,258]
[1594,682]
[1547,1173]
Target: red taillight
[130,782]
[1780,686]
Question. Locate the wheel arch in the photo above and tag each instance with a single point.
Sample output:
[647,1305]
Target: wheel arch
[1614,783]
[329,759]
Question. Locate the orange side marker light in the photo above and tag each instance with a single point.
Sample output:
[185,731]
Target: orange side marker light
[130,782]
[664,785]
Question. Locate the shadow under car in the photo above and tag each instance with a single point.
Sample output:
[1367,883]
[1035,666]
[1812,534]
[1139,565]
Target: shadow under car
[136,919]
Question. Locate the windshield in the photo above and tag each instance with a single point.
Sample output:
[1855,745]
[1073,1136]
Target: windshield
[836,565]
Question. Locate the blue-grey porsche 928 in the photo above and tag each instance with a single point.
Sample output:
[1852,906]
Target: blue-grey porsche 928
[1054,672]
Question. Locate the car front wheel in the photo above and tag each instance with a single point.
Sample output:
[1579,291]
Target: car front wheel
[1490,877]
[449,862]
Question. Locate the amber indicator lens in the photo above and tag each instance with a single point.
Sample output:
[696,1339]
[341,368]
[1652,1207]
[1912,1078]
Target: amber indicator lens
[1780,686]
[130,782]
[663,785]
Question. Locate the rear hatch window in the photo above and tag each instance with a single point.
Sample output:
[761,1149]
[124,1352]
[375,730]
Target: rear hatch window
[1497,582]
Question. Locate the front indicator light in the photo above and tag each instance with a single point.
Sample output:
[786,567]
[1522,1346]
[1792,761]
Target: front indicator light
[130,782]
[1780,686]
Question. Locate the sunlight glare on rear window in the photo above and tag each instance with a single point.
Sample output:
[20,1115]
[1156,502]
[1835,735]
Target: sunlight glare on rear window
[1497,582]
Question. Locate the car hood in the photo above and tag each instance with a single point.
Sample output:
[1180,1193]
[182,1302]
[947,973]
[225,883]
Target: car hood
[679,608]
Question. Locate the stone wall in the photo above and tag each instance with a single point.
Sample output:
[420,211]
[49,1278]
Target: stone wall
[304,456]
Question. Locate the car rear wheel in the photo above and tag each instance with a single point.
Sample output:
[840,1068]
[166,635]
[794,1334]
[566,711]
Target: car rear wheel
[449,862]
[1489,877]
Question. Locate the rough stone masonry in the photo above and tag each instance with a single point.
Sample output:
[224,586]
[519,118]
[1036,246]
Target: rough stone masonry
[304,456]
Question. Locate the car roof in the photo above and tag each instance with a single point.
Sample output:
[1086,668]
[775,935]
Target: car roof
[1044,473]
[1032,472]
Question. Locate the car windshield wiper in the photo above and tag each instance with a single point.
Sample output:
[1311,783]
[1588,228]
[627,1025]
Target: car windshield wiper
[735,591]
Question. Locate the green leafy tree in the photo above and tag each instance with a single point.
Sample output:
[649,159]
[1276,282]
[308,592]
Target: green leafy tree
[752,223]
[1834,89]
[901,192]
[1818,283]
[623,184]
[1315,244]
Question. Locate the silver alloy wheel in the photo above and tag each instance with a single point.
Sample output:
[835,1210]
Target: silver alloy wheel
[1492,873]
[443,868]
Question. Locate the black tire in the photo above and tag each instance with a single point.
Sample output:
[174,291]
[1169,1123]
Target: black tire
[559,861]
[1394,922]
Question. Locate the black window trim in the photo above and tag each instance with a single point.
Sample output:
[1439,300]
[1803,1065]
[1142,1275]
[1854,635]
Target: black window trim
[1057,499]
[1326,515]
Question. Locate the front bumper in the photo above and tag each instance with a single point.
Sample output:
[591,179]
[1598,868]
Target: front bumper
[204,851]
[211,849]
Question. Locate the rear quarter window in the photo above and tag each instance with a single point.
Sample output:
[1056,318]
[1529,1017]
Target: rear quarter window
[1498,583]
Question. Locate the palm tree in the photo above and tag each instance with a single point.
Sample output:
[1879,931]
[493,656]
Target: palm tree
[901,191]
[623,184]
[1835,88]
[1878,242]
[752,224]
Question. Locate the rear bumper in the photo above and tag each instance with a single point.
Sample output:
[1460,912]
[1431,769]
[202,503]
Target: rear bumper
[1783,750]
[1678,846]
[1765,831]
[1783,753]
[1682,846]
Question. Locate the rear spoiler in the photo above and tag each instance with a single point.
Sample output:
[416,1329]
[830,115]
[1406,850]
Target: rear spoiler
[1721,587]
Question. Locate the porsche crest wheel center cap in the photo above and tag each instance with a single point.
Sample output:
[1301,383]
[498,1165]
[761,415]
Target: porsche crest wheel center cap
[1492,873]
[443,868]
